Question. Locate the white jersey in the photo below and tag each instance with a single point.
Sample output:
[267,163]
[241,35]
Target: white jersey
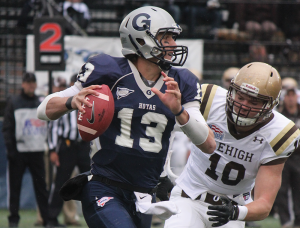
[232,168]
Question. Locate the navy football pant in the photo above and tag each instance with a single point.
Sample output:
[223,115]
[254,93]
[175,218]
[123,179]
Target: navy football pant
[106,206]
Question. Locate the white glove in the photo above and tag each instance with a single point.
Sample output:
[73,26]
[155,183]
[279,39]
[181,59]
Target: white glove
[163,210]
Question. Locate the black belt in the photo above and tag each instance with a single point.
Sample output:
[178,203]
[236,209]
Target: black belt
[123,185]
[211,199]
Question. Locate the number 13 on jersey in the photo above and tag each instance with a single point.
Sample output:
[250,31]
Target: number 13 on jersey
[124,139]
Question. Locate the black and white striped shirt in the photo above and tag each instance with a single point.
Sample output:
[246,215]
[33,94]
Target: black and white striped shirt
[65,127]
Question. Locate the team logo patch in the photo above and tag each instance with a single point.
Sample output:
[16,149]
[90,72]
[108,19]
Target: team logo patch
[219,134]
[101,202]
[246,196]
[140,20]
[123,92]
[85,72]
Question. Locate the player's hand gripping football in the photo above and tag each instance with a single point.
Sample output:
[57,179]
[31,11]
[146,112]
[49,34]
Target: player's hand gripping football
[223,213]
[79,98]
[172,96]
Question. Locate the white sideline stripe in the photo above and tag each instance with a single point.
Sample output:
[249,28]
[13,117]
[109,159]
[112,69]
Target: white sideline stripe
[86,129]
[102,96]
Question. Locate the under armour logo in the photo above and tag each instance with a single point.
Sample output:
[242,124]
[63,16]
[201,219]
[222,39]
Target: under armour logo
[216,198]
[256,139]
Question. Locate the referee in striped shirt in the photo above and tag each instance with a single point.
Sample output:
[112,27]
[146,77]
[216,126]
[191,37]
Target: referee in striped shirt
[66,150]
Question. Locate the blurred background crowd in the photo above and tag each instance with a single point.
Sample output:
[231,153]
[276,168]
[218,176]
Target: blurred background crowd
[234,32]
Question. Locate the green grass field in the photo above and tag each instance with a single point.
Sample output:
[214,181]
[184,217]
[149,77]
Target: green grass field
[28,218]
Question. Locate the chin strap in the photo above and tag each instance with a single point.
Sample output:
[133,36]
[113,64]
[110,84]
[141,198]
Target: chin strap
[163,65]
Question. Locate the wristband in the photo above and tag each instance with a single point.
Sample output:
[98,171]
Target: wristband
[243,211]
[69,103]
[181,111]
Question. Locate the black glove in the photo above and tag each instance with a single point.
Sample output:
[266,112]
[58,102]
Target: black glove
[223,213]
[164,187]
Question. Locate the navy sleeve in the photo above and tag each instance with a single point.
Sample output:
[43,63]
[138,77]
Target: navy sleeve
[189,85]
[98,70]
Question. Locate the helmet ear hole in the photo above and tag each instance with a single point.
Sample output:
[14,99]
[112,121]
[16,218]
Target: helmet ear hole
[141,41]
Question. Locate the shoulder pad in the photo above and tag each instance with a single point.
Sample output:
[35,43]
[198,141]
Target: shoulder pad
[285,138]
[208,94]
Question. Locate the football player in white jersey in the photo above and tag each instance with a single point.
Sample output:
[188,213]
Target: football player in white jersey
[253,143]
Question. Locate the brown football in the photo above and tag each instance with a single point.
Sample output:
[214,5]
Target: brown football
[97,118]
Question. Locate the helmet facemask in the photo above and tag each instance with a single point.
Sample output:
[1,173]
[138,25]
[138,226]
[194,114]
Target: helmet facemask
[244,115]
[179,52]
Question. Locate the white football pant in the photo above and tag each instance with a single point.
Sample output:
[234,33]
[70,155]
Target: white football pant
[192,213]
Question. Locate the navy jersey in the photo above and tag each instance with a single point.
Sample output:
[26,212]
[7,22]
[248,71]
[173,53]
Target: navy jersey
[134,147]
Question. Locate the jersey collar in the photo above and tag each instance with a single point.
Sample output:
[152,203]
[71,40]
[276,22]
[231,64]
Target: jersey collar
[144,88]
[236,135]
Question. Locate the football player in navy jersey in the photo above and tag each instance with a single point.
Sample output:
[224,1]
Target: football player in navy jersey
[150,96]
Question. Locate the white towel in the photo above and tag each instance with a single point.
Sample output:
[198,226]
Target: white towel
[163,209]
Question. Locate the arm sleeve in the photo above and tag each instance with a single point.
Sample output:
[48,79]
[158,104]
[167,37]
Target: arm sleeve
[193,109]
[41,111]
[71,91]
[9,126]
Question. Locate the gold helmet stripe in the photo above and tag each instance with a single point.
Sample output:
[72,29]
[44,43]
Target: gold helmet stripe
[208,93]
[284,138]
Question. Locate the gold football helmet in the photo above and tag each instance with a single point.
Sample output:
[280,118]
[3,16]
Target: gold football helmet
[258,80]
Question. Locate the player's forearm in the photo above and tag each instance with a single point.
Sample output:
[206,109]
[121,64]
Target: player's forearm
[209,145]
[56,107]
[183,118]
[267,184]
[193,125]
[52,107]
[258,210]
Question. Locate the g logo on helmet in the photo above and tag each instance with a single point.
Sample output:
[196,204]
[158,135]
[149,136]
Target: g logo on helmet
[146,22]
